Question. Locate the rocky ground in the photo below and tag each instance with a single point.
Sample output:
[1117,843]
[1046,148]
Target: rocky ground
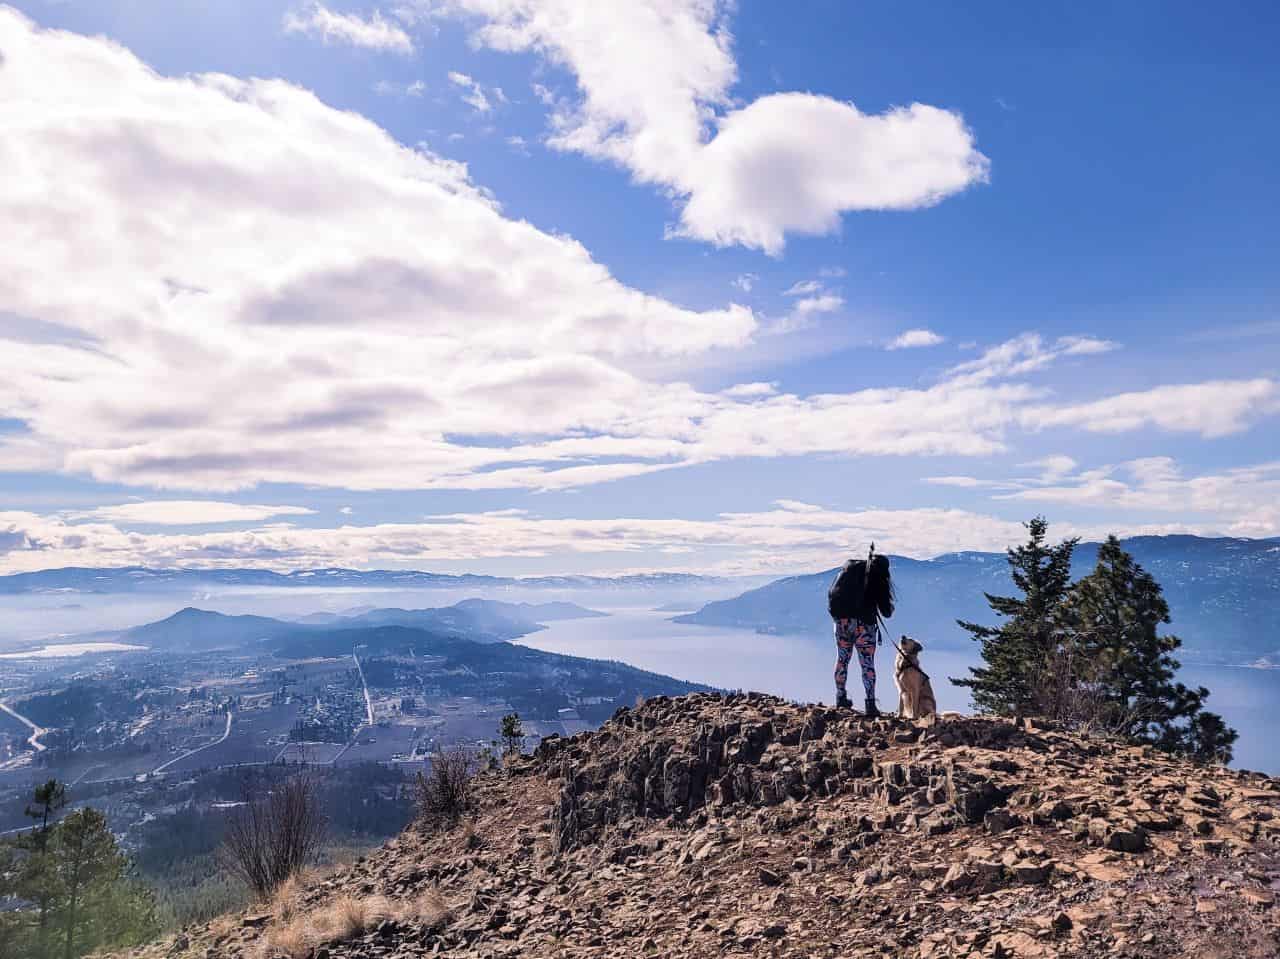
[744,825]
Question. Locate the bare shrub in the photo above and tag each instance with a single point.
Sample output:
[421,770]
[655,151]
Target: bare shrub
[270,838]
[443,793]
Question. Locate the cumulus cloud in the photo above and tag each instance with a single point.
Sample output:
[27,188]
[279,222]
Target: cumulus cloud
[654,78]
[374,33]
[189,513]
[912,339]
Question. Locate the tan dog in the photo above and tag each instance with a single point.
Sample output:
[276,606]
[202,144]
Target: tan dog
[915,692]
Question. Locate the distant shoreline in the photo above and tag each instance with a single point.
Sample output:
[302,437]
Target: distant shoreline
[71,650]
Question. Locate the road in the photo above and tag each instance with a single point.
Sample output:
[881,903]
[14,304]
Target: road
[36,731]
[191,752]
[368,709]
[368,703]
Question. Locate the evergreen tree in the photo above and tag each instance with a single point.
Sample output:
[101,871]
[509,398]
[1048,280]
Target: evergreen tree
[47,799]
[98,904]
[75,877]
[1114,617]
[1020,654]
[512,732]
[35,881]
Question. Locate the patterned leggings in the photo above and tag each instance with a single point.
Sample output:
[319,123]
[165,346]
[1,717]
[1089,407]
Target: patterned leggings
[851,635]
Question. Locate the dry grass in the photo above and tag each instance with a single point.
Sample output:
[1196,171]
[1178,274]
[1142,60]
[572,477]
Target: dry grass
[296,934]
[347,916]
[286,901]
[293,939]
[470,837]
[222,927]
[429,909]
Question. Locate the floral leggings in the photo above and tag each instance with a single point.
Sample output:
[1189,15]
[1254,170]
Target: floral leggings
[851,635]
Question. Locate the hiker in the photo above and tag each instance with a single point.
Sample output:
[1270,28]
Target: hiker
[860,595]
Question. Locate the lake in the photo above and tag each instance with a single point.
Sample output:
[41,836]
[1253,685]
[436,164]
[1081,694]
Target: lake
[66,650]
[800,667]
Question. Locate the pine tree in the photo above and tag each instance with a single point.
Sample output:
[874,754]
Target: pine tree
[512,732]
[47,799]
[77,879]
[1114,617]
[98,905]
[36,880]
[1020,653]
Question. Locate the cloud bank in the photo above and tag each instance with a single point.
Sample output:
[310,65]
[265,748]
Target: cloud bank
[793,537]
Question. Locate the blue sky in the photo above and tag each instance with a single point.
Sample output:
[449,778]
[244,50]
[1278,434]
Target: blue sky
[543,285]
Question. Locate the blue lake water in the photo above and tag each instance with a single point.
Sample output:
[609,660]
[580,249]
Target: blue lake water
[800,667]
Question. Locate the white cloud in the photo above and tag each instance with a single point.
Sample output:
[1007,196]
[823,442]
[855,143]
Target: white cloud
[913,339]
[803,288]
[256,301]
[959,482]
[654,78]
[803,314]
[386,88]
[1055,467]
[251,240]
[792,537]
[374,33]
[1211,409]
[1243,500]
[752,389]
[823,303]
[744,282]
[472,92]
[346,510]
[1026,354]
[189,513]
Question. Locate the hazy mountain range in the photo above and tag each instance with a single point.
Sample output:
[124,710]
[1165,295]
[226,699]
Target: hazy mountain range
[476,620]
[1224,595]
[130,579]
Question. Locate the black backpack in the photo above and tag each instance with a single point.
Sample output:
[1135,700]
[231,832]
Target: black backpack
[844,598]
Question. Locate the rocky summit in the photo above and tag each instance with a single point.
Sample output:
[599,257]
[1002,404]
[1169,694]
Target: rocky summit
[745,825]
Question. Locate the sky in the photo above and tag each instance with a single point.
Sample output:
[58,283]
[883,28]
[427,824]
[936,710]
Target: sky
[558,286]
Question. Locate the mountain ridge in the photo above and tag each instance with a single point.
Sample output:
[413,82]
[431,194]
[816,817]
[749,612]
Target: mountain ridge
[143,578]
[191,628]
[741,824]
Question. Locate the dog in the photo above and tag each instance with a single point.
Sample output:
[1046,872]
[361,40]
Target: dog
[915,692]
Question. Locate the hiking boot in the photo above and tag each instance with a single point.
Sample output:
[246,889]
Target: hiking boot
[872,712]
[843,701]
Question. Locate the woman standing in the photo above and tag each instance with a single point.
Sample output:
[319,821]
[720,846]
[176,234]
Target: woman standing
[860,596]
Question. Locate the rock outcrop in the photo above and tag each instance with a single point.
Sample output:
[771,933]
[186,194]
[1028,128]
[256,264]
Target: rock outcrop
[743,825]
